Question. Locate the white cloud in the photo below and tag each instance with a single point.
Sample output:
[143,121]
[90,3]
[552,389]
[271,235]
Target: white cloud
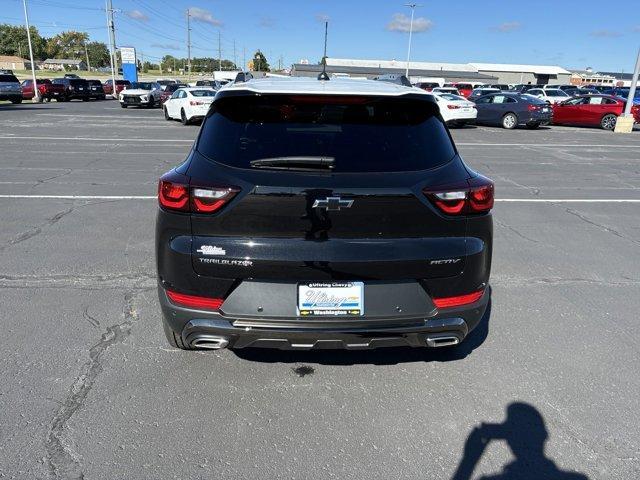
[402,23]
[204,16]
[507,27]
[606,33]
[267,22]
[322,17]
[137,15]
[166,46]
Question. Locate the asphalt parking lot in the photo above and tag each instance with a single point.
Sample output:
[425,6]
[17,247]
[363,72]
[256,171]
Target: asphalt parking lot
[90,389]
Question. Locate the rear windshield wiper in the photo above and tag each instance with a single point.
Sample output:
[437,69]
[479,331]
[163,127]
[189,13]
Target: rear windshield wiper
[294,163]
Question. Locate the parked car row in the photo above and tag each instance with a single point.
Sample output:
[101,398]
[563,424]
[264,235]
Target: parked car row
[510,109]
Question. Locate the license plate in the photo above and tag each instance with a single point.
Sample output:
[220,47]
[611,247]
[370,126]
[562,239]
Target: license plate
[545,109]
[331,299]
[55,93]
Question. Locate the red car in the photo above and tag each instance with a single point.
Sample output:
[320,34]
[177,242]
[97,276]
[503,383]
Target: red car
[120,85]
[47,89]
[465,89]
[592,110]
[169,89]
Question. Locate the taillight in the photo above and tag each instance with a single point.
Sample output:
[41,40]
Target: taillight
[209,200]
[194,301]
[193,103]
[174,196]
[180,197]
[453,107]
[458,300]
[474,198]
[533,108]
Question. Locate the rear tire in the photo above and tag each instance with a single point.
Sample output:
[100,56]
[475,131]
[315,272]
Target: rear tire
[510,121]
[183,117]
[533,125]
[151,103]
[123,105]
[16,100]
[174,339]
[608,122]
[166,114]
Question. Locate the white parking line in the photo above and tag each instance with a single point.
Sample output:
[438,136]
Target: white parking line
[545,145]
[119,117]
[92,139]
[153,197]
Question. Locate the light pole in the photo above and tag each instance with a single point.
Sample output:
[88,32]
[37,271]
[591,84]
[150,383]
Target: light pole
[36,93]
[632,90]
[412,6]
[624,124]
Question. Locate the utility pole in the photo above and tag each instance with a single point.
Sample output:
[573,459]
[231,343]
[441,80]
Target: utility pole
[412,6]
[86,52]
[219,52]
[235,60]
[36,93]
[112,47]
[244,58]
[189,44]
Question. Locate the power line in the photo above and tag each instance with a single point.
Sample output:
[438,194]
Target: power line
[48,3]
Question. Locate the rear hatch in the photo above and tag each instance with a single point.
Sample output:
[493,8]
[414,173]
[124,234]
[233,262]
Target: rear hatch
[79,86]
[52,88]
[319,187]
[9,84]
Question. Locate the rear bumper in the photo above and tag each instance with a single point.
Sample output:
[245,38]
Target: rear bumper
[10,95]
[436,328]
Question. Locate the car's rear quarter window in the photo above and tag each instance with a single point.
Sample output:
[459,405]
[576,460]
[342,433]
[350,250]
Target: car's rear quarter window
[361,134]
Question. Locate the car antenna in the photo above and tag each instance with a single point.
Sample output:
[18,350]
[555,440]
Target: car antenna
[323,74]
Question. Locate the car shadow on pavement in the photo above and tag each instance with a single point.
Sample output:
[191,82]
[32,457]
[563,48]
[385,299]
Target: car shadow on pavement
[380,356]
[525,433]
[27,107]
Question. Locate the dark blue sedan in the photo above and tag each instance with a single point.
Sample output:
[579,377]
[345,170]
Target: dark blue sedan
[509,110]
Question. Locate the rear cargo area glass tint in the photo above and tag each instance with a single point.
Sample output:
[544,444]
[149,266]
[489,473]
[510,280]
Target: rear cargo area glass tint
[360,133]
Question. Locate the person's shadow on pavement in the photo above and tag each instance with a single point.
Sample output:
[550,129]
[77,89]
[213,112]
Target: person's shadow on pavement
[525,433]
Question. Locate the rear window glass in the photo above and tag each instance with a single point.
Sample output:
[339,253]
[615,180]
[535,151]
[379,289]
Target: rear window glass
[8,78]
[359,134]
[203,93]
[77,81]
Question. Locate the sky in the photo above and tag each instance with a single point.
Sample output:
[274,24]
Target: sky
[568,33]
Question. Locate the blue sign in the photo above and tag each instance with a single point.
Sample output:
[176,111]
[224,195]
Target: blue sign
[129,64]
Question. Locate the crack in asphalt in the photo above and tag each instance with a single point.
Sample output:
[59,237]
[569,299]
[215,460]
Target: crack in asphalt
[142,280]
[92,320]
[63,461]
[603,227]
[37,230]
[510,281]
[514,230]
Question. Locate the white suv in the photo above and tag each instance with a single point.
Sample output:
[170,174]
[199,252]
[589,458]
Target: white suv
[141,94]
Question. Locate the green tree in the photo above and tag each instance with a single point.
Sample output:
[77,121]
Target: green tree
[98,54]
[169,62]
[68,45]
[13,41]
[260,63]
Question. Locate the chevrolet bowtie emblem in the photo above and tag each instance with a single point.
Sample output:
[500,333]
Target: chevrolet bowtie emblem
[332,203]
